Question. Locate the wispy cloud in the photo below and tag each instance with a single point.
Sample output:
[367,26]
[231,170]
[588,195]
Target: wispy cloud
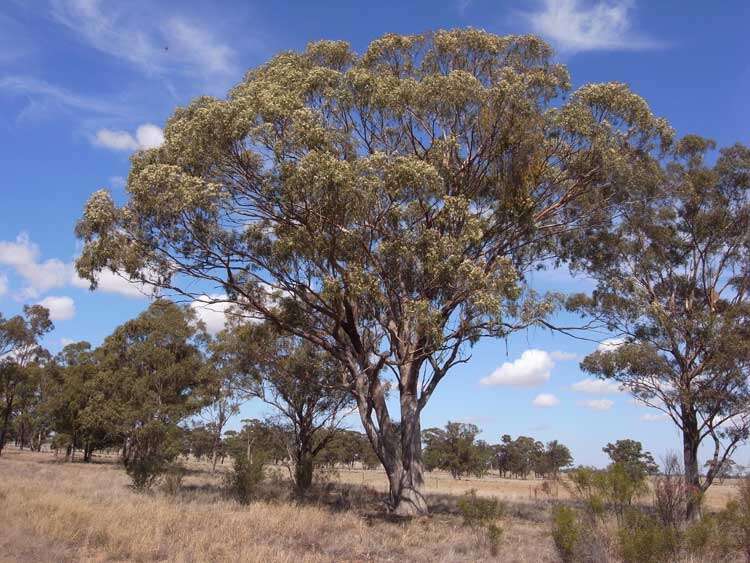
[577,25]
[155,45]
[598,404]
[44,95]
[596,387]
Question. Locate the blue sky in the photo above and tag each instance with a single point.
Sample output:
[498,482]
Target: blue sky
[83,83]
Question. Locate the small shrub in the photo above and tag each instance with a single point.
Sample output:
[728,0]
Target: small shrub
[478,511]
[566,532]
[172,480]
[246,475]
[644,539]
[585,484]
[733,523]
[699,535]
[494,537]
[670,493]
[144,472]
[483,513]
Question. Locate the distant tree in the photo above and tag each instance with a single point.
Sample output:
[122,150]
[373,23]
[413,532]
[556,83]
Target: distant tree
[303,384]
[226,388]
[393,199]
[19,352]
[349,447]
[519,457]
[673,280]
[74,372]
[555,457]
[454,450]
[151,375]
[631,455]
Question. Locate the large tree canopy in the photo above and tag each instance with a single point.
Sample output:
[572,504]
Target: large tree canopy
[383,206]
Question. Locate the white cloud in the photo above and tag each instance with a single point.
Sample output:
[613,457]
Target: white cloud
[147,136]
[110,282]
[149,41]
[23,256]
[60,308]
[560,356]
[213,314]
[654,417]
[65,341]
[578,25]
[545,400]
[610,344]
[598,404]
[3,284]
[596,387]
[530,370]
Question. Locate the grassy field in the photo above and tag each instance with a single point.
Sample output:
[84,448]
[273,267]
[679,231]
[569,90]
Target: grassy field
[53,511]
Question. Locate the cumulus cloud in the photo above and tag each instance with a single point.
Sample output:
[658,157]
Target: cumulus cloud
[60,308]
[596,387]
[212,311]
[545,400]
[530,370]
[111,282]
[23,256]
[578,25]
[147,136]
[598,404]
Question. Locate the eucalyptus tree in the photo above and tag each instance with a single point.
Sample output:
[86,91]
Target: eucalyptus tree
[227,386]
[151,374]
[384,206]
[302,383]
[19,352]
[673,281]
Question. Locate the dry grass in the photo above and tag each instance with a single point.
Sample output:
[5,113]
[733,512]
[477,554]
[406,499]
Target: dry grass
[58,511]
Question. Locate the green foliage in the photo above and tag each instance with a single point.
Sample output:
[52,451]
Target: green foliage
[243,481]
[644,539]
[566,532]
[152,448]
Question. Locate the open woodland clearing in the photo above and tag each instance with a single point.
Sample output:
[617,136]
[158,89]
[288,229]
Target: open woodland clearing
[91,514]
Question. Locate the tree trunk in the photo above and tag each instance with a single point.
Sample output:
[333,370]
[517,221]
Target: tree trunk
[303,471]
[690,443]
[409,478]
[6,422]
